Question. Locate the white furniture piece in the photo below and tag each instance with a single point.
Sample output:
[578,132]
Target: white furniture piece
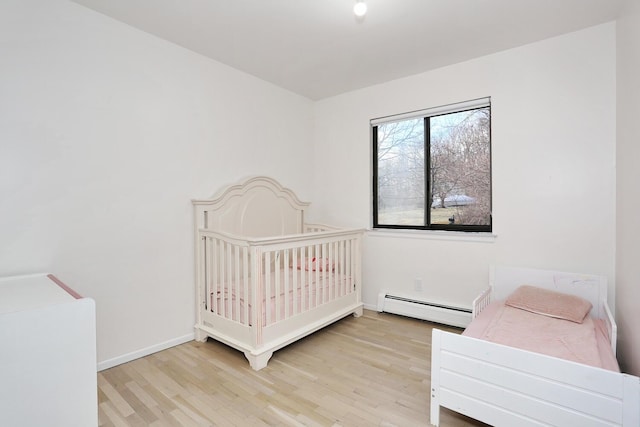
[506,386]
[48,373]
[265,278]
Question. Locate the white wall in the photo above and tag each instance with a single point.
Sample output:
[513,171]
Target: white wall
[628,191]
[106,133]
[553,143]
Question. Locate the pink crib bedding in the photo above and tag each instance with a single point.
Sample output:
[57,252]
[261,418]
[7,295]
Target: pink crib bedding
[585,342]
[305,291]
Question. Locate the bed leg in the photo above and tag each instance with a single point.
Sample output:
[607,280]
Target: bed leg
[259,361]
[436,336]
[200,335]
[435,416]
[358,312]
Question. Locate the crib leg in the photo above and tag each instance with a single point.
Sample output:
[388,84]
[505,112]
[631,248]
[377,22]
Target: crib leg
[201,336]
[358,312]
[258,362]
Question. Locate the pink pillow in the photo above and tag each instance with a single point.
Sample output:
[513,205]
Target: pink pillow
[549,303]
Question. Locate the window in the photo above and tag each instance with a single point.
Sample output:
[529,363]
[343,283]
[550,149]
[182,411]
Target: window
[432,169]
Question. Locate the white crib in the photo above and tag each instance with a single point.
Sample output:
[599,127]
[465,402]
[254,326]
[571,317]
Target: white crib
[264,278]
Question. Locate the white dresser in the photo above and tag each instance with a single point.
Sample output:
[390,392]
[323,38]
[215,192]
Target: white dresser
[47,354]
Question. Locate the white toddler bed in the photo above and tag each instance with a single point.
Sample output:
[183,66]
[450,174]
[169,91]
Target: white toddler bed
[507,386]
[264,278]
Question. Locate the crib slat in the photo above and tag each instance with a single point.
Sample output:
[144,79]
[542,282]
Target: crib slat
[219,291]
[267,287]
[287,276]
[236,283]
[212,286]
[228,284]
[309,276]
[277,294]
[295,281]
[349,275]
[223,278]
[323,276]
[245,279]
[205,272]
[220,277]
[232,282]
[257,303]
[349,267]
[339,270]
[316,282]
[342,266]
[332,267]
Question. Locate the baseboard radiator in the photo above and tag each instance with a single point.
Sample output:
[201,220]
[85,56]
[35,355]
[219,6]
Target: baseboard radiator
[425,310]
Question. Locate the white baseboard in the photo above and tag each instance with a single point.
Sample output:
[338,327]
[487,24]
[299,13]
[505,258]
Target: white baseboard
[110,363]
[431,311]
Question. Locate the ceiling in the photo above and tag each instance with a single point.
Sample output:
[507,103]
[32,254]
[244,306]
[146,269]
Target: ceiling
[318,48]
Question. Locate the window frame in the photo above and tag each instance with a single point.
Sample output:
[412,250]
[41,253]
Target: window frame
[426,115]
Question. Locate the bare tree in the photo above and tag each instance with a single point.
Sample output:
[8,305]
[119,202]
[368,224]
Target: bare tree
[459,165]
[467,145]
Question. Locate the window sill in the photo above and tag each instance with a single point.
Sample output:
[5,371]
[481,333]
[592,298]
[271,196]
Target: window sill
[432,235]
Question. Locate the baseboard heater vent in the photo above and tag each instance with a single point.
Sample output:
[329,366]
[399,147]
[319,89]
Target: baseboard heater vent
[425,310]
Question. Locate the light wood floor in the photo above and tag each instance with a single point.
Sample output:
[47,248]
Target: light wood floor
[367,371]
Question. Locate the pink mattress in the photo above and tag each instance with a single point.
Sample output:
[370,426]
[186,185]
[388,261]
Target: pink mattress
[310,290]
[585,342]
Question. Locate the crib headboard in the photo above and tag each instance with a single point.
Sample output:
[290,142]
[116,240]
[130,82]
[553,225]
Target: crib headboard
[257,207]
[593,288]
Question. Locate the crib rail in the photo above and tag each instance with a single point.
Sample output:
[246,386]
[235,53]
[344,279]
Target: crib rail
[481,302]
[263,281]
[313,228]
[610,324]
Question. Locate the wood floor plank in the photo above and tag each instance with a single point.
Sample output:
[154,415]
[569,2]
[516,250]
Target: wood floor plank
[371,370]
[112,416]
[114,397]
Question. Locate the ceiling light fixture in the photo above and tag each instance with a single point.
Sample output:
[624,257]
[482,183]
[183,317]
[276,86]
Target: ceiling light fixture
[360,8]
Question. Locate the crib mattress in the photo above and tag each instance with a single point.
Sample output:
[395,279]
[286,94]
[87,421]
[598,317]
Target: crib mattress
[306,291]
[586,343]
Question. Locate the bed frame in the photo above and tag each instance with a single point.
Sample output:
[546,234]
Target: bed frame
[505,386]
[248,241]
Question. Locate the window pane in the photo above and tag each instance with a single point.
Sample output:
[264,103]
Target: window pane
[460,174]
[401,180]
